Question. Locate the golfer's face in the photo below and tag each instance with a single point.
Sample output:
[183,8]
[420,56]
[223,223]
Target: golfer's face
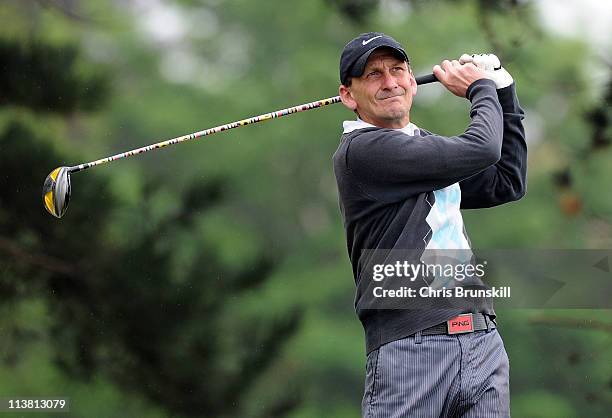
[384,91]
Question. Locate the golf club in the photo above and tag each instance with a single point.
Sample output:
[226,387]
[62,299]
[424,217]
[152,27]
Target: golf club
[56,189]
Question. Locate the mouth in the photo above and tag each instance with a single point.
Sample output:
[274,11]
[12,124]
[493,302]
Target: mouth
[391,97]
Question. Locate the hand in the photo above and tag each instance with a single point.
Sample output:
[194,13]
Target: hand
[457,77]
[490,63]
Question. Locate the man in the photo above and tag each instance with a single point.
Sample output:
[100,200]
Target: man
[401,188]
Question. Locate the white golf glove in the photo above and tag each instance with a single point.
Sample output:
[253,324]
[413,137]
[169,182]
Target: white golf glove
[490,63]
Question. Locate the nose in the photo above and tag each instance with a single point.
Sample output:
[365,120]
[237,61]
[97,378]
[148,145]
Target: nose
[388,81]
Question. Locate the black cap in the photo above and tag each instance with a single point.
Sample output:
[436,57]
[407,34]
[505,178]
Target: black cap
[356,53]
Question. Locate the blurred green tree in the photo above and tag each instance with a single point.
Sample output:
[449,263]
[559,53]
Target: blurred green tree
[117,311]
[205,222]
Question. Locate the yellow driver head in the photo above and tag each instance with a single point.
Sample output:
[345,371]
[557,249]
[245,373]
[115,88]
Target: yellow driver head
[56,191]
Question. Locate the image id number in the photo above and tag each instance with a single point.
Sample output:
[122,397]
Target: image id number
[25,404]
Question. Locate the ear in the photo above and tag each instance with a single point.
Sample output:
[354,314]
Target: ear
[347,97]
[413,83]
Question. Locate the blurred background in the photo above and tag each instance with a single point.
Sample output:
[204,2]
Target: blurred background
[211,279]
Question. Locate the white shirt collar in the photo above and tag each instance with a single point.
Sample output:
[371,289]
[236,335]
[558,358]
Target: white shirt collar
[351,125]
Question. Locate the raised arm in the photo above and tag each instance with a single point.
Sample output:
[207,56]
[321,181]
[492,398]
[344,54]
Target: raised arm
[506,180]
[392,165]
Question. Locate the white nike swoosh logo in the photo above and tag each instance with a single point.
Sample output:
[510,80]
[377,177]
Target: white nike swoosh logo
[370,40]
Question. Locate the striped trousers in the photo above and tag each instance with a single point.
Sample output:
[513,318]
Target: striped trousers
[463,375]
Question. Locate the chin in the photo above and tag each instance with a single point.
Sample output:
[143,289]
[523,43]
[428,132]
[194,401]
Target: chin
[395,115]
[397,107]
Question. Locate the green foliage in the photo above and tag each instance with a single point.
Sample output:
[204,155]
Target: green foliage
[47,78]
[212,278]
[130,311]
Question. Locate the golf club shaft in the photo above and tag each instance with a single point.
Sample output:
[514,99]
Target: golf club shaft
[430,78]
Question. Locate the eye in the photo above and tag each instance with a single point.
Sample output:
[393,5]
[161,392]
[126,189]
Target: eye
[373,74]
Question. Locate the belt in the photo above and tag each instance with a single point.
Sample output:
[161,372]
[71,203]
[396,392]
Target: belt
[461,324]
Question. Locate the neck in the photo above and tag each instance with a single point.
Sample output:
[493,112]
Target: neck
[389,123]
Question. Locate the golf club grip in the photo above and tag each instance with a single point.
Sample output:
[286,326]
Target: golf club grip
[426,79]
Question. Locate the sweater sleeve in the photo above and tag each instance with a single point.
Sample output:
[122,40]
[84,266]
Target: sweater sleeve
[506,180]
[391,165]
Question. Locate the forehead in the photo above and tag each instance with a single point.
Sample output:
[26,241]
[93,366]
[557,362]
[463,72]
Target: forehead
[383,54]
